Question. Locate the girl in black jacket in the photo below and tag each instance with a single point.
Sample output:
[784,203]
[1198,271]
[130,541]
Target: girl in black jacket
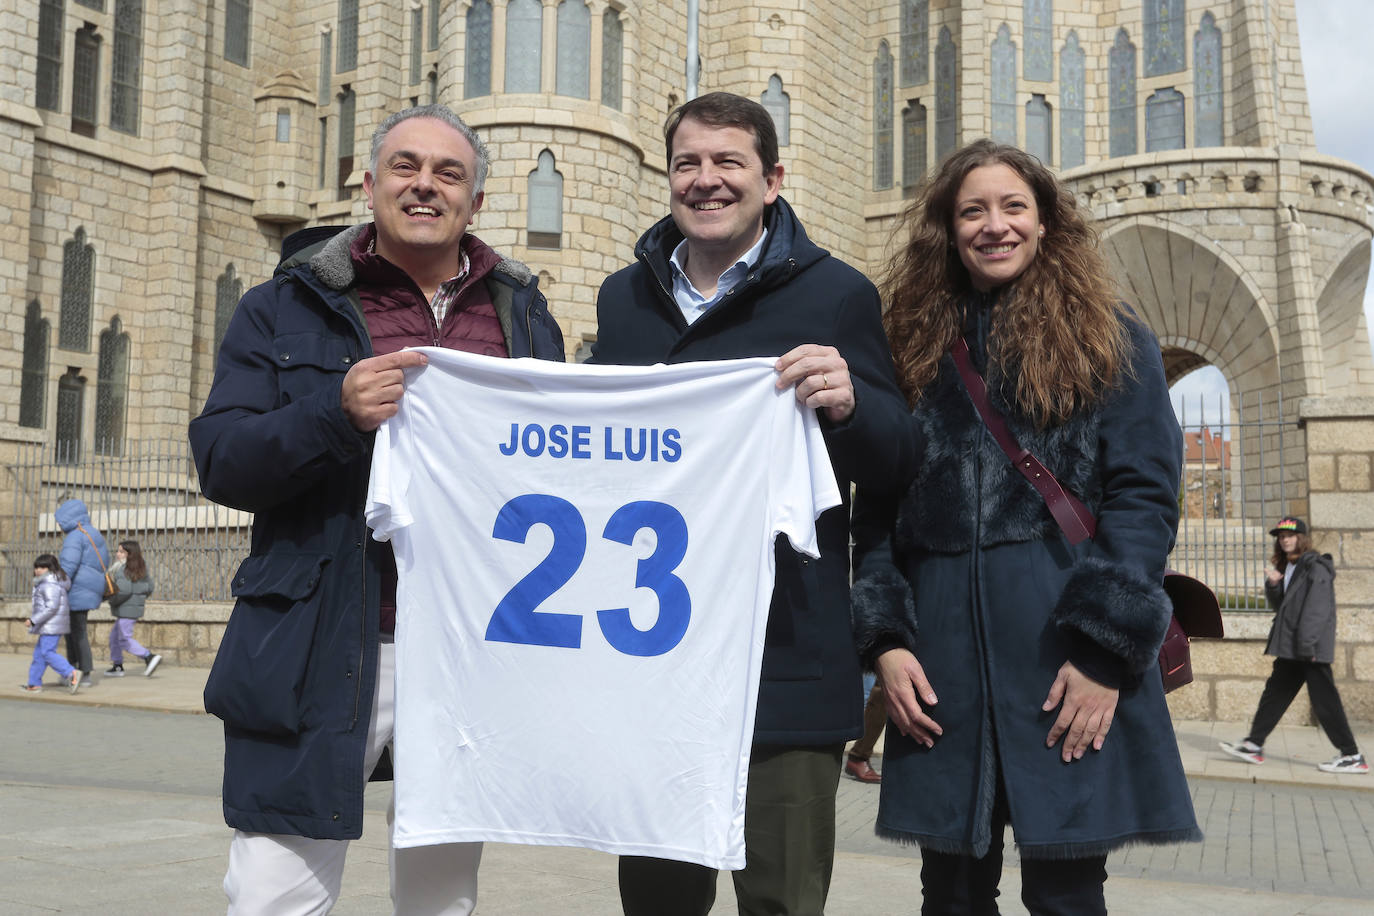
[1302,640]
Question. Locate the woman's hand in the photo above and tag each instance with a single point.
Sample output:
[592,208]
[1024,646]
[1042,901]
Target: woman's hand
[1086,714]
[1273,576]
[904,683]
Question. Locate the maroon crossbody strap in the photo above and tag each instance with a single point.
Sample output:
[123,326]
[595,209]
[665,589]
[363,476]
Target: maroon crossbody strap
[1078,523]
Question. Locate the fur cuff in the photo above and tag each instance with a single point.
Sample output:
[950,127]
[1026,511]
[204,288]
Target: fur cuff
[1117,608]
[884,613]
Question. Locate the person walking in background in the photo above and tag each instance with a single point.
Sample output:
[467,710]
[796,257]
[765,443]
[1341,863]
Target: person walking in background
[1301,590]
[84,558]
[1050,712]
[50,618]
[133,585]
[857,759]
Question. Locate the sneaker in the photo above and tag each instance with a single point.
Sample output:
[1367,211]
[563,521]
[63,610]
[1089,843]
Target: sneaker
[86,681]
[74,681]
[152,661]
[31,688]
[1246,750]
[861,771]
[114,671]
[1351,763]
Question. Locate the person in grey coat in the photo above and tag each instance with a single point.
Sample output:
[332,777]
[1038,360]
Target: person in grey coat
[133,585]
[1301,590]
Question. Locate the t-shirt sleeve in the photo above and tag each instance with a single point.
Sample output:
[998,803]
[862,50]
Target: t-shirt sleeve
[803,481]
[387,508]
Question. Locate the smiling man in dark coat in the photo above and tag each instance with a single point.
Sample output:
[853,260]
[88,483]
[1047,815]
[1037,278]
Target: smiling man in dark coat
[310,366]
[730,273]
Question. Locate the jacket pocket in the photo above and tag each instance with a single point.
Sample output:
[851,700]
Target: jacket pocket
[259,673]
[793,648]
[306,362]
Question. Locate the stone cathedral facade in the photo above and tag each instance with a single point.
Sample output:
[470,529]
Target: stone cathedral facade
[158,151]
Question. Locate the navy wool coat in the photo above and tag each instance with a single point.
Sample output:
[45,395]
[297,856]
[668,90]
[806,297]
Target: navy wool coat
[969,570]
[294,676]
[810,692]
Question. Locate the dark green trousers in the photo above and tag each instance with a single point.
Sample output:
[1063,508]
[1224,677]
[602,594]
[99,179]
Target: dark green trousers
[789,839]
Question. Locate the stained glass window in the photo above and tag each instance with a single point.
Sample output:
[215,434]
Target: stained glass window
[347,112]
[574,72]
[111,390]
[1038,19]
[78,281]
[1039,127]
[914,132]
[477,67]
[33,385]
[85,74]
[228,292]
[417,38]
[1164,120]
[51,16]
[612,57]
[1121,93]
[71,396]
[1004,86]
[946,95]
[1164,23]
[882,118]
[1072,107]
[326,42]
[1208,105]
[348,35]
[915,45]
[524,28]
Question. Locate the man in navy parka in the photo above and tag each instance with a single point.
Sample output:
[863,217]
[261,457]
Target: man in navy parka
[310,366]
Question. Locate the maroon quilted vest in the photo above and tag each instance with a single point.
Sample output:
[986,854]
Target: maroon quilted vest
[398,316]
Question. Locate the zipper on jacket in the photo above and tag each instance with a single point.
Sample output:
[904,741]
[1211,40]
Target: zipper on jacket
[362,646]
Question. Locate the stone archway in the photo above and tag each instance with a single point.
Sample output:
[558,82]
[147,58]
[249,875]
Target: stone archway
[1206,309]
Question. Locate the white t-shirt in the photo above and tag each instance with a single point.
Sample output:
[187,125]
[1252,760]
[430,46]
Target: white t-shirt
[586,565]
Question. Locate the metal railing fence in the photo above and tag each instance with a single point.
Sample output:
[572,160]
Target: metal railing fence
[142,491]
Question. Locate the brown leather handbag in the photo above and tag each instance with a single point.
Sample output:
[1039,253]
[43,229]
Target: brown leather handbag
[1196,611]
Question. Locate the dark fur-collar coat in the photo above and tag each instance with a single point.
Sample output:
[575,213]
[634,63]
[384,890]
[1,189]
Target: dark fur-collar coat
[969,570]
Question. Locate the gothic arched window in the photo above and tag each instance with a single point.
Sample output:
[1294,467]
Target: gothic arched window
[545,219]
[946,95]
[1037,26]
[1121,93]
[228,292]
[1164,23]
[1004,86]
[779,105]
[915,42]
[126,66]
[33,384]
[1072,109]
[882,118]
[477,55]
[74,311]
[1164,126]
[51,16]
[111,390]
[71,397]
[85,80]
[1039,128]
[612,57]
[913,146]
[348,102]
[574,62]
[1208,105]
[524,28]
[417,43]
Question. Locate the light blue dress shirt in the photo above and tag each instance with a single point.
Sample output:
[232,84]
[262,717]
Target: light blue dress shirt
[690,299]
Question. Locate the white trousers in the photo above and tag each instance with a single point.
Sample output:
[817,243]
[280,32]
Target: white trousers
[281,875]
